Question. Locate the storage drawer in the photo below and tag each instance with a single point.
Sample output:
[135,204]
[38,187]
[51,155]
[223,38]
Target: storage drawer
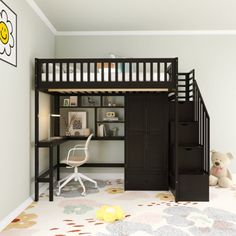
[190,158]
[193,187]
[187,133]
[185,111]
[140,181]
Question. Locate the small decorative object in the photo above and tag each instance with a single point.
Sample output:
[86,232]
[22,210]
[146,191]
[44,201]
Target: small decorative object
[110,213]
[91,101]
[77,121]
[85,132]
[73,101]
[115,131]
[109,101]
[110,114]
[219,173]
[8,34]
[66,102]
[101,130]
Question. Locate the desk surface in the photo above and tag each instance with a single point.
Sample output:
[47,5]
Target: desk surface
[59,140]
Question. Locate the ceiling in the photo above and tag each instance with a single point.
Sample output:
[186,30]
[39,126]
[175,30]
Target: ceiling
[139,15]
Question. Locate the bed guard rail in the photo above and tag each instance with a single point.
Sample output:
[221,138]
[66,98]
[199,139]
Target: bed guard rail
[106,73]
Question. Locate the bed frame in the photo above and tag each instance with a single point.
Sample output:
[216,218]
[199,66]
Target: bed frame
[138,75]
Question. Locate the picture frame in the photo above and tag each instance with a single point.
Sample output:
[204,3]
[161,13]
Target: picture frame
[73,101]
[66,102]
[8,36]
[78,122]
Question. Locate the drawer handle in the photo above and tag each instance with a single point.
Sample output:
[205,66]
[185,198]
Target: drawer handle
[184,124]
[188,149]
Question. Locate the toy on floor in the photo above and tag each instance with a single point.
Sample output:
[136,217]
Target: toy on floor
[110,213]
[219,173]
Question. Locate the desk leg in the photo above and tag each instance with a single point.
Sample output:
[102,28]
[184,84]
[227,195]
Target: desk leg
[58,162]
[51,173]
[36,164]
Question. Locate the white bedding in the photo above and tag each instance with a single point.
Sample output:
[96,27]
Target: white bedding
[99,76]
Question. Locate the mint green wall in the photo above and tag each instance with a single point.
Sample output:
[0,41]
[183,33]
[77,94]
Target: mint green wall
[17,108]
[213,57]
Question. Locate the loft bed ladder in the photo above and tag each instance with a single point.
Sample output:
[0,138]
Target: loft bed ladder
[190,157]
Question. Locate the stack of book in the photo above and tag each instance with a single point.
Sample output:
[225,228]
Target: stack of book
[110,118]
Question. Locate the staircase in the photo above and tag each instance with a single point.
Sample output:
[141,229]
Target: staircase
[189,152]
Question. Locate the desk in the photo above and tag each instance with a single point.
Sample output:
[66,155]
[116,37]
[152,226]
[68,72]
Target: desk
[47,176]
[47,143]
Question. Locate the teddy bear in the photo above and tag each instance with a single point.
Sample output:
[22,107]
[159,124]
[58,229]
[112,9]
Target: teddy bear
[219,173]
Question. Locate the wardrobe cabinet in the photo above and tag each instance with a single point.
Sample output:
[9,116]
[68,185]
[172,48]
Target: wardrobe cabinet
[146,142]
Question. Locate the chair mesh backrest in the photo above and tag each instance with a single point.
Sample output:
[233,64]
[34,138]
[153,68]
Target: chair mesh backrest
[88,140]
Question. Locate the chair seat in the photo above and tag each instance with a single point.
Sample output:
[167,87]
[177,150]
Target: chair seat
[74,161]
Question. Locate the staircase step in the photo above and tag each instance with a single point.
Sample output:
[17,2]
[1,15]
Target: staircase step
[193,186]
[185,111]
[190,158]
[187,133]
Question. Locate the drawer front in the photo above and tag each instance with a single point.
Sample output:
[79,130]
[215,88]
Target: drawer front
[187,133]
[190,159]
[142,181]
[193,187]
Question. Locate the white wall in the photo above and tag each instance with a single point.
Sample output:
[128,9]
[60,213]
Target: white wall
[17,108]
[213,57]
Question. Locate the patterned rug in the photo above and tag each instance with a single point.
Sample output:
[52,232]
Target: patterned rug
[146,213]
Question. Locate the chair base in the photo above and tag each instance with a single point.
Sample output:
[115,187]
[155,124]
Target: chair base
[77,177]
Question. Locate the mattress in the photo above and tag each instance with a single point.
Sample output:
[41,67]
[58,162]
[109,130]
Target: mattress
[99,77]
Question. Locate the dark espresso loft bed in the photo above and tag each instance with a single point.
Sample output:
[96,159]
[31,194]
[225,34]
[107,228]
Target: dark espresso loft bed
[166,125]
[105,74]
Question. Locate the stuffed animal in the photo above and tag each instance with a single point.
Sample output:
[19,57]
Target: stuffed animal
[219,173]
[110,213]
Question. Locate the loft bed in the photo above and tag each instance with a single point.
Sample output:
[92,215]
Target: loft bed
[106,75]
[155,80]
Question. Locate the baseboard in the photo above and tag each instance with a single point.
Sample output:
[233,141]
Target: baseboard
[10,217]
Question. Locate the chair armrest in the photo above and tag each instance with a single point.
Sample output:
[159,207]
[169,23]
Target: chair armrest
[79,145]
[73,150]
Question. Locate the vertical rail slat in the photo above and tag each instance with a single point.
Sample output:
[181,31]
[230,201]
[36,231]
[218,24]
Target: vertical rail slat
[60,78]
[54,72]
[116,71]
[47,72]
[165,71]
[109,72]
[88,71]
[151,71]
[95,72]
[81,72]
[137,71]
[67,72]
[75,73]
[130,72]
[102,79]
[158,71]
[123,71]
[144,72]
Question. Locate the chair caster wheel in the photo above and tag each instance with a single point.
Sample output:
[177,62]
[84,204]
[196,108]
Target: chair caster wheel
[83,194]
[58,193]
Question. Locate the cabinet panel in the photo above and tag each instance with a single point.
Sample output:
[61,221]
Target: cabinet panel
[135,112]
[147,141]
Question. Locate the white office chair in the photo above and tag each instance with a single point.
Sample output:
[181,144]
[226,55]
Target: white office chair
[74,160]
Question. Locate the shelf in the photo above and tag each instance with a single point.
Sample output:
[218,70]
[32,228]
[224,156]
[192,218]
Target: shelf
[112,107]
[111,121]
[61,139]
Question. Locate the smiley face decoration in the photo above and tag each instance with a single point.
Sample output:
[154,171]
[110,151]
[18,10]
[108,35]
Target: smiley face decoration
[7,34]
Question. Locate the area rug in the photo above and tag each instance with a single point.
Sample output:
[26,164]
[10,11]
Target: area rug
[146,213]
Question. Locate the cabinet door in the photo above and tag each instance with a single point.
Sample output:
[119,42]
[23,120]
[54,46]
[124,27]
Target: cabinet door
[135,132]
[146,155]
[156,158]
